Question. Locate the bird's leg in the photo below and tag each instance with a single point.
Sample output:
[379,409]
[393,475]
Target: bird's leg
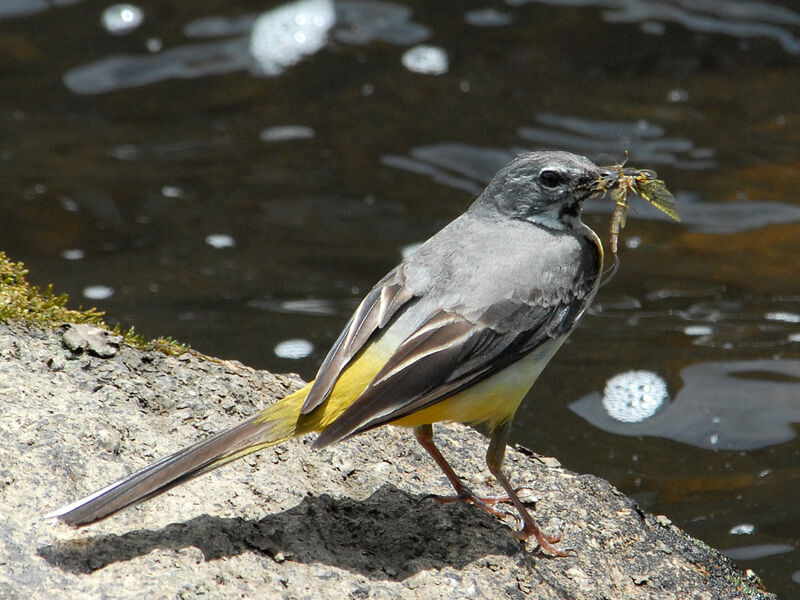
[494,460]
[424,435]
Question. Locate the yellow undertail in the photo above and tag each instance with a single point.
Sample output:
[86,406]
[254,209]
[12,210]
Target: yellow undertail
[492,401]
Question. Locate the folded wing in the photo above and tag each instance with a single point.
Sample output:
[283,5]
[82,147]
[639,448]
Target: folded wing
[446,355]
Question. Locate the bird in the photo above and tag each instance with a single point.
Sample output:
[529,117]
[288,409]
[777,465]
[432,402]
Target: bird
[459,331]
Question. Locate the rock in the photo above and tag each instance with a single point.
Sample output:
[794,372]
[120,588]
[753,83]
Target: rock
[84,336]
[348,522]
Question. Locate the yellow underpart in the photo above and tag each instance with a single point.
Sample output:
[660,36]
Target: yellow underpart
[492,401]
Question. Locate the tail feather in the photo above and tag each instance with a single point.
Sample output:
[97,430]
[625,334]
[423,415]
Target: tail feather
[276,424]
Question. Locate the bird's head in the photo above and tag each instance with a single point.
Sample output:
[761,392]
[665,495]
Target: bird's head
[544,187]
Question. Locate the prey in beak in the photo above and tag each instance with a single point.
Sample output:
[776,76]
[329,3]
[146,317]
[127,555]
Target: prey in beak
[620,181]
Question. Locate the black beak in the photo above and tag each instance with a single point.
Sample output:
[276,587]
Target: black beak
[606,176]
[609,174]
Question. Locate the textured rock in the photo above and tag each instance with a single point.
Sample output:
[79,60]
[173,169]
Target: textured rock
[348,522]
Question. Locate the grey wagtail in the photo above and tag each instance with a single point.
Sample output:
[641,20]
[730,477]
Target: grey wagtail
[458,331]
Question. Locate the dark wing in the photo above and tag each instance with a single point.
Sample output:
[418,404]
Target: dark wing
[448,354]
[374,312]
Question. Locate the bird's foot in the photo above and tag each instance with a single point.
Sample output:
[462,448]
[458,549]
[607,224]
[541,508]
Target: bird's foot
[487,503]
[497,506]
[546,542]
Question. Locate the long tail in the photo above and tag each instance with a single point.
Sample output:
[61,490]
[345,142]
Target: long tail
[277,423]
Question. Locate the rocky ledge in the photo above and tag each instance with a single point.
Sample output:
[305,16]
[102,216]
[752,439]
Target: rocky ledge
[348,522]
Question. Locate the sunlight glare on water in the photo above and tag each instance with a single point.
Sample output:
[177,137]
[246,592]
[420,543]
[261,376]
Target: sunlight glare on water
[285,35]
[120,19]
[634,396]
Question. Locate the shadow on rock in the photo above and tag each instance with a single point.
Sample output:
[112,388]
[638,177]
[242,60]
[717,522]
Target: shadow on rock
[390,535]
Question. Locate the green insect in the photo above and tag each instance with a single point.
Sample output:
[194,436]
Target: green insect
[641,182]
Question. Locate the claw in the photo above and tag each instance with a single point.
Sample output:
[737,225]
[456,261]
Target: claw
[470,496]
[486,503]
[546,542]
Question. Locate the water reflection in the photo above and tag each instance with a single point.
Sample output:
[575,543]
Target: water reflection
[285,133]
[220,240]
[21,8]
[363,21]
[645,142]
[175,151]
[294,349]
[736,19]
[472,166]
[266,44]
[121,19]
[742,529]
[735,405]
[469,168]
[285,35]
[735,216]
[304,306]
[277,40]
[757,551]
[184,62]
[633,396]
[785,317]
[98,292]
[487,17]
[73,254]
[733,324]
[428,60]
[719,322]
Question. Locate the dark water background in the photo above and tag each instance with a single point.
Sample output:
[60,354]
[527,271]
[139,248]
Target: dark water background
[237,174]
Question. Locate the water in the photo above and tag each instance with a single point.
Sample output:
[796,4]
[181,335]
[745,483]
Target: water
[237,175]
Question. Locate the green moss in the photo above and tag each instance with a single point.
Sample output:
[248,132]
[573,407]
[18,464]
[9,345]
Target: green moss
[21,301]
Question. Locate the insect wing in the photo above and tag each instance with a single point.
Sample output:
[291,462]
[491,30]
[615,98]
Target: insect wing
[657,194]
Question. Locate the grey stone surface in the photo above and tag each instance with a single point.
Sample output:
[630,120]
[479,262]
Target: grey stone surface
[348,522]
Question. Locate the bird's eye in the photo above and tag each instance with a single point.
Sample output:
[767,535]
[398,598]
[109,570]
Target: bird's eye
[551,179]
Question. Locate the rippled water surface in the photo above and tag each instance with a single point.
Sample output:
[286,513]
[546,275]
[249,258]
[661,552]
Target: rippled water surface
[238,174]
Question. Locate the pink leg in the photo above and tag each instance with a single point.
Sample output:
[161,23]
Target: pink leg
[494,460]
[424,435]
